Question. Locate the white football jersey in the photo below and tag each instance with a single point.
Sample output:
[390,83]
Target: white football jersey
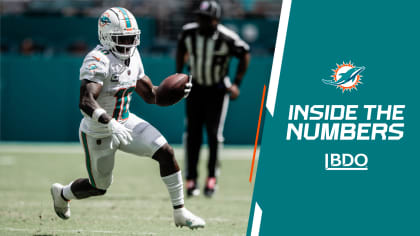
[118,83]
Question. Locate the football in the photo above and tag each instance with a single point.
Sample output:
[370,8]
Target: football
[171,90]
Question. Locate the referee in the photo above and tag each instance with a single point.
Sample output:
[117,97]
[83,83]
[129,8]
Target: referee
[207,47]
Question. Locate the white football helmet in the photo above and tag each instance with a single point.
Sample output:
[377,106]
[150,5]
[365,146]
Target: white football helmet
[118,32]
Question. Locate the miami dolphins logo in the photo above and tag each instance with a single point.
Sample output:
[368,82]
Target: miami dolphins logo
[104,20]
[346,76]
[92,67]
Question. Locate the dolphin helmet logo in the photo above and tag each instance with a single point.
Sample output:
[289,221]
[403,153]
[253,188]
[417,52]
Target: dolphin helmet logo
[104,19]
[346,76]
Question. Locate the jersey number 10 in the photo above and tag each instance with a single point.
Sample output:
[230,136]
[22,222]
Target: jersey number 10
[121,104]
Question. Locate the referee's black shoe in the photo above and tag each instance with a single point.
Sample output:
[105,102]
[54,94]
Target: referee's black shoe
[192,188]
[210,187]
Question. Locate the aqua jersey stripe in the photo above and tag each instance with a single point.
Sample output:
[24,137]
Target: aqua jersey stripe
[88,161]
[127,20]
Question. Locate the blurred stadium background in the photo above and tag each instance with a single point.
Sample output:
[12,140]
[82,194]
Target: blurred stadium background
[42,45]
[43,42]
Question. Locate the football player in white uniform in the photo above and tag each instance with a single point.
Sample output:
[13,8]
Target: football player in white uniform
[109,75]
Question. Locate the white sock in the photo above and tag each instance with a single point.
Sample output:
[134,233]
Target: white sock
[175,188]
[67,193]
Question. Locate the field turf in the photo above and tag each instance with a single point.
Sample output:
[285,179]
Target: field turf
[137,202]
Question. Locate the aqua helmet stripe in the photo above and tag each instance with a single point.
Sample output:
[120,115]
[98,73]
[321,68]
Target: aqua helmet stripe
[127,19]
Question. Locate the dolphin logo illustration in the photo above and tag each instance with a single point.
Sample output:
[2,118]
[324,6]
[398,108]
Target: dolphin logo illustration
[105,20]
[345,77]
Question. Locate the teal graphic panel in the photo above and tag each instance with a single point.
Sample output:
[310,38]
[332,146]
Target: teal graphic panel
[339,155]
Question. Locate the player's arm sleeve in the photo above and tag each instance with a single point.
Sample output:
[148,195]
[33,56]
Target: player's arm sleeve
[94,68]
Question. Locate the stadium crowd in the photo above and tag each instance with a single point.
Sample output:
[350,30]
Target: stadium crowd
[168,16]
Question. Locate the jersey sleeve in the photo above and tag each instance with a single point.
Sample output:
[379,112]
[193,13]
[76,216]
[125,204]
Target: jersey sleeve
[94,68]
[239,47]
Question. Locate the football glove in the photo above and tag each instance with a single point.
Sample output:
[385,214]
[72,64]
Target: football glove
[120,134]
[188,87]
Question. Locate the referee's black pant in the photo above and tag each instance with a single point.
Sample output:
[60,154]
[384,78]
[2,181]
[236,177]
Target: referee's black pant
[206,106]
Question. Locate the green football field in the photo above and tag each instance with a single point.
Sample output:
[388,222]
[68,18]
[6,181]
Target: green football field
[137,202]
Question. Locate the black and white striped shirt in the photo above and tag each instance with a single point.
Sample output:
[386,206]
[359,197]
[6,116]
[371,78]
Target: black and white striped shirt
[209,56]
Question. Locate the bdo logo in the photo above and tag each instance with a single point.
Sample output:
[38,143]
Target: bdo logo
[346,161]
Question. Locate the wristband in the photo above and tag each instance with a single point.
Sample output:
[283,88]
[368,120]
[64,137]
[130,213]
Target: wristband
[227,82]
[98,112]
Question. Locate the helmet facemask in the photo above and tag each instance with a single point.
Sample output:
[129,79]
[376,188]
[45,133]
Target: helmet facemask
[123,45]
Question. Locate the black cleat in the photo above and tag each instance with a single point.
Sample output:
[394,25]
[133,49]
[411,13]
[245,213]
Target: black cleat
[192,188]
[210,186]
